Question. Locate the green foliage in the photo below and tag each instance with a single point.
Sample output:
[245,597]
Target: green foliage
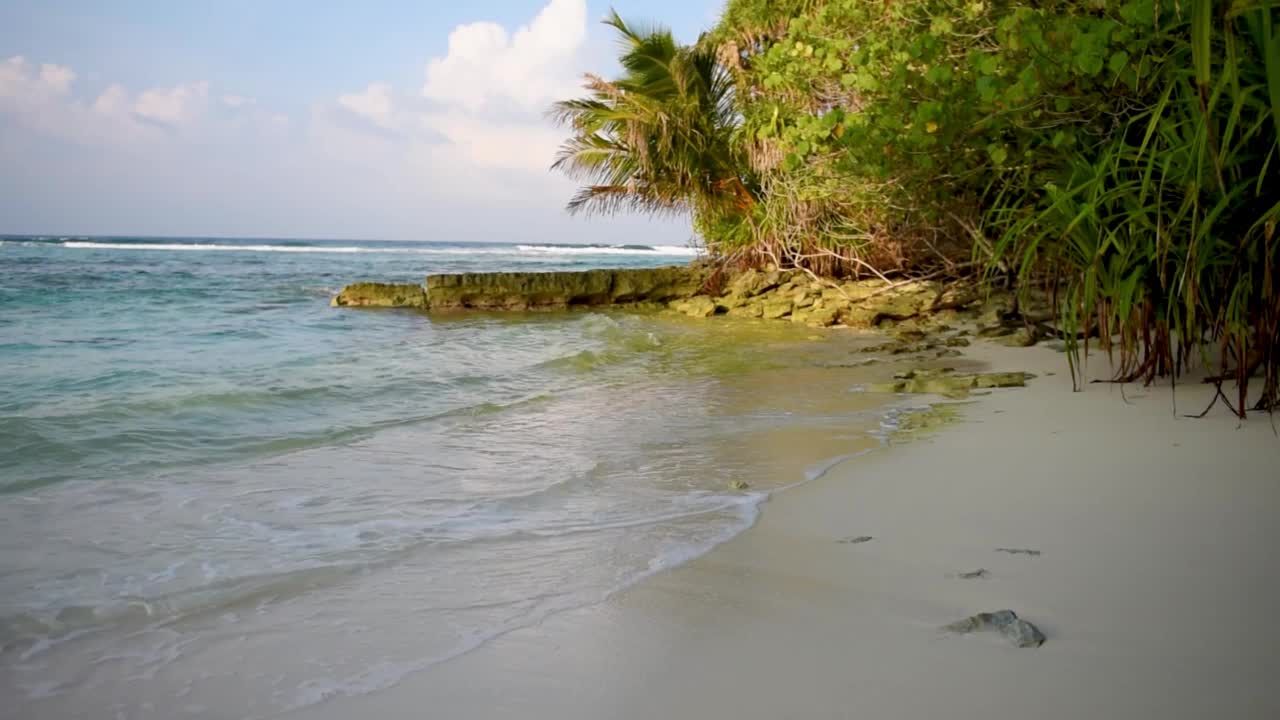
[908,112]
[660,138]
[1161,235]
[1123,152]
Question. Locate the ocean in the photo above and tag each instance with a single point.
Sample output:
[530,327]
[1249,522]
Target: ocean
[221,497]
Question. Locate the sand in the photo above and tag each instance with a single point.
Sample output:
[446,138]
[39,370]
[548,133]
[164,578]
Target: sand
[1158,583]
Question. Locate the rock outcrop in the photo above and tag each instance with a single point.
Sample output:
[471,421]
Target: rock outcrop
[789,295]
[535,290]
[370,294]
[556,290]
[947,383]
[799,298]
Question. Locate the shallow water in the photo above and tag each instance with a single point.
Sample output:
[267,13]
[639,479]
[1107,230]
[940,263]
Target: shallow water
[205,465]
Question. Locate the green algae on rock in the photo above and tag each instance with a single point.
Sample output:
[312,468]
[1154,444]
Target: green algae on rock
[372,294]
[558,290]
[919,422]
[532,290]
[947,383]
[698,307]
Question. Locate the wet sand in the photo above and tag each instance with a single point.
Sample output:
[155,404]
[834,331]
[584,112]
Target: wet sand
[1157,583]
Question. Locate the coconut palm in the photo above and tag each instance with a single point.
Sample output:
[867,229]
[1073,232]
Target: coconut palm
[660,138]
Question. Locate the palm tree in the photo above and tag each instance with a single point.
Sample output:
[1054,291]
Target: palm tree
[660,139]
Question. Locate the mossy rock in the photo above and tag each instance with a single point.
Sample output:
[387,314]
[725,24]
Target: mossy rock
[947,384]
[1002,380]
[920,422]
[956,297]
[996,309]
[1021,337]
[752,309]
[773,309]
[822,316]
[539,290]
[751,283]
[700,306]
[370,294]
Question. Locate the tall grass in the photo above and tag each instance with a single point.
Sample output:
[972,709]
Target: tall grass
[1159,240]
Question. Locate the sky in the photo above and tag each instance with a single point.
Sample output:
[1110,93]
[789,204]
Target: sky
[384,119]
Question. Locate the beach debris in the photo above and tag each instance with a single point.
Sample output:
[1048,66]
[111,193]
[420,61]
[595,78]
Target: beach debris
[978,574]
[1019,551]
[855,540]
[738,485]
[1017,631]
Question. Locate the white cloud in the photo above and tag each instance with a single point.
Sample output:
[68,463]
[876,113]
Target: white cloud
[41,98]
[482,106]
[463,155]
[24,87]
[487,67]
[173,106]
[113,101]
[374,104]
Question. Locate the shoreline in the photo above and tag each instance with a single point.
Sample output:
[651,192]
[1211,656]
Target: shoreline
[1153,586]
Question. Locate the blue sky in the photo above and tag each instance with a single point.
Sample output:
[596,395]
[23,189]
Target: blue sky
[382,119]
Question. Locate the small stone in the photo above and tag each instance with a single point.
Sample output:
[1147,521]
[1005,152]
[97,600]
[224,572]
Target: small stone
[978,574]
[738,485]
[856,540]
[1017,631]
[1022,634]
[982,621]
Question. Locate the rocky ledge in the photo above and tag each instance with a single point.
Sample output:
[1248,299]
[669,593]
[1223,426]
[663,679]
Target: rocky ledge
[371,294]
[554,290]
[530,290]
[788,295]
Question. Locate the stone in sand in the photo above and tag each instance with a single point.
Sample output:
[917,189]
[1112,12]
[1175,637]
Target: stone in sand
[975,574]
[1017,631]
[983,621]
[856,540]
[1022,634]
[738,485]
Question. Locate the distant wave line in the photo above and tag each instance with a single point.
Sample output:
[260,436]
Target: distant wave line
[673,250]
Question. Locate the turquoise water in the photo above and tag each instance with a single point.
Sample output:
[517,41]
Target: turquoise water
[131,356]
[220,497]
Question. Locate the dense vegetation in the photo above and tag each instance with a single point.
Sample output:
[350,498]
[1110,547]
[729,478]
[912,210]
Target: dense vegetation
[1120,154]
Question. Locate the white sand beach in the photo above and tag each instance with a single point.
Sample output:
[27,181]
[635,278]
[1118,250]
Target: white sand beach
[1157,583]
